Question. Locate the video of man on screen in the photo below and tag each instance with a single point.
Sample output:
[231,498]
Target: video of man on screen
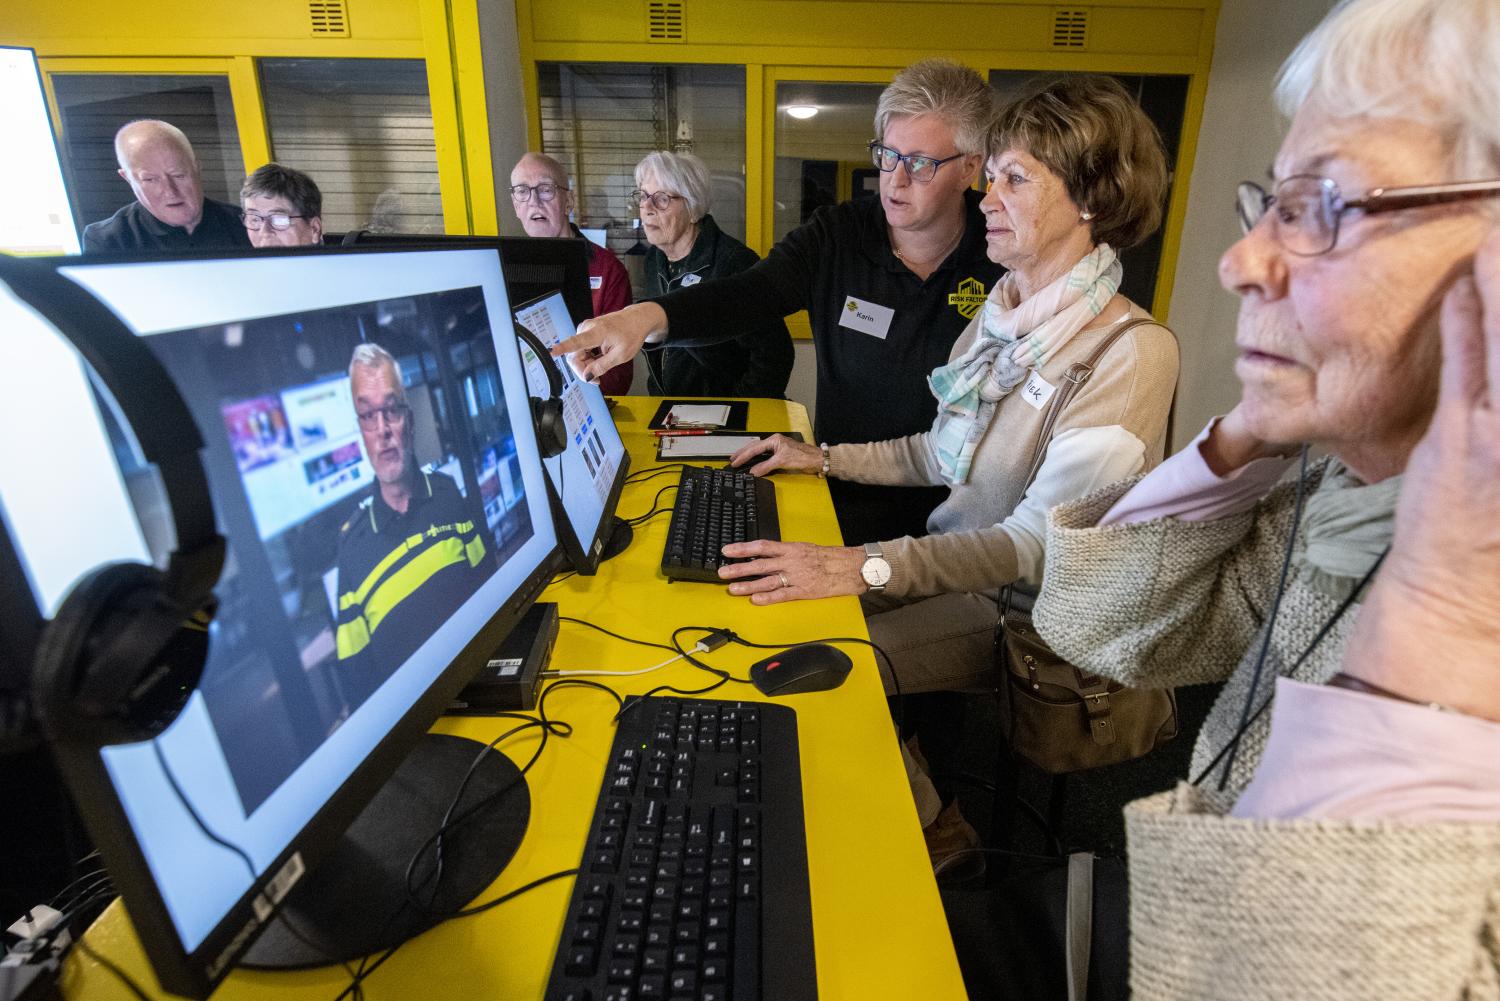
[363,467]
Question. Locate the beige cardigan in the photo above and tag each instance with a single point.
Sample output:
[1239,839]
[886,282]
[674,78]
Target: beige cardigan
[1222,908]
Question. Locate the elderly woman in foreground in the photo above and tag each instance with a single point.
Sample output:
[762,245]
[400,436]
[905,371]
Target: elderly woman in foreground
[1365,863]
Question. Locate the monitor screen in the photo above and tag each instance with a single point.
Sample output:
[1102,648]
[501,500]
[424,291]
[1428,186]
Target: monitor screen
[589,475]
[370,453]
[35,216]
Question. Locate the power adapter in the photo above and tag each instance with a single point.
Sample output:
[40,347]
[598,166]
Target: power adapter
[511,677]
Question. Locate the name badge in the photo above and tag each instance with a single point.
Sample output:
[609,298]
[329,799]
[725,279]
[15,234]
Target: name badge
[596,282]
[1037,391]
[866,317]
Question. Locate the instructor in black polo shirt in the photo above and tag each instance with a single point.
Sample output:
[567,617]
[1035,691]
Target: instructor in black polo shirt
[169,211]
[889,284]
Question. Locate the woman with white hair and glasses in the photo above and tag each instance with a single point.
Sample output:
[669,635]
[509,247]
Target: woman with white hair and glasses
[672,194]
[889,283]
[1342,837]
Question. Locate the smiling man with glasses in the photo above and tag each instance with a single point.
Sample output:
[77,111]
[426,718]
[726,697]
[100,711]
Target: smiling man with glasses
[543,202]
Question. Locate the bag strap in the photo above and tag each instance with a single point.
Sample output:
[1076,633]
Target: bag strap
[1079,937]
[1077,374]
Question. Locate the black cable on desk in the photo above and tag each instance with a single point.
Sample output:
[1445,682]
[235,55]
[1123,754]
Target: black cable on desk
[652,472]
[654,510]
[111,966]
[623,639]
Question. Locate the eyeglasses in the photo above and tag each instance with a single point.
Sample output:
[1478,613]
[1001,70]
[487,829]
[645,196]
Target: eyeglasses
[1308,207]
[394,413]
[918,168]
[545,192]
[662,200]
[279,221]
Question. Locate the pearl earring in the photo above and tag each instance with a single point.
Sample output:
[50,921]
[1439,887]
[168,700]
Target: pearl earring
[1086,216]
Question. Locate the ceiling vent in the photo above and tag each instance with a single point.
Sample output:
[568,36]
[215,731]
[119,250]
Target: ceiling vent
[328,18]
[1070,28]
[664,21]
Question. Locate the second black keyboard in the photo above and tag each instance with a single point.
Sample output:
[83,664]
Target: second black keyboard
[713,508]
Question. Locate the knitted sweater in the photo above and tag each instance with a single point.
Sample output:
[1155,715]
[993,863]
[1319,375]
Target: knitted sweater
[1221,907]
[985,535]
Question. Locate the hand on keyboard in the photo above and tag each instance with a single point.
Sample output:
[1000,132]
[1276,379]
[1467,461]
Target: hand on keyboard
[791,571]
[778,452]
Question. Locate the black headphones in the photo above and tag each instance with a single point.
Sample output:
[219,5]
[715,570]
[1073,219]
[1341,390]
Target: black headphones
[127,646]
[547,415]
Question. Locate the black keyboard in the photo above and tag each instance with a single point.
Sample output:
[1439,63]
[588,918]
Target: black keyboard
[693,882]
[713,508]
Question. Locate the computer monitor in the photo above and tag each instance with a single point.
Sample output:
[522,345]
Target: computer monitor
[534,265]
[35,216]
[586,479]
[370,454]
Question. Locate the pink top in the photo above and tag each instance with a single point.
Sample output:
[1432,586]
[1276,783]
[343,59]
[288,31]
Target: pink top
[1333,753]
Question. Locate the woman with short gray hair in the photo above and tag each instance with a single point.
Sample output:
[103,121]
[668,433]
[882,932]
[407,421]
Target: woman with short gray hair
[888,282]
[672,195]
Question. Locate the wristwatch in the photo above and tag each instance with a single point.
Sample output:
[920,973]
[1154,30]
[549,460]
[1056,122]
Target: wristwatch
[876,570]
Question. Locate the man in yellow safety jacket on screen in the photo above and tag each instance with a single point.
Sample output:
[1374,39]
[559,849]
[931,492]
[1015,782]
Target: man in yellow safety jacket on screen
[413,550]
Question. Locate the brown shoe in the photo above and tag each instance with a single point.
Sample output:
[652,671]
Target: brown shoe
[951,844]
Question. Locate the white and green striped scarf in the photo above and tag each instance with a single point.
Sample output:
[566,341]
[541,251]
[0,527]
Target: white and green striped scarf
[1014,337]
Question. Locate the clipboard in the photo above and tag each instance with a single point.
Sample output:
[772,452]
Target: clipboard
[739,413]
[709,446]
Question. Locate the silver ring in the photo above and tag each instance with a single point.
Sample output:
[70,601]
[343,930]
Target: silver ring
[784,581]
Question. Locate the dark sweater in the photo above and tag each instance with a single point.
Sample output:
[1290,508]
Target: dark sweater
[757,362]
[133,228]
[869,388]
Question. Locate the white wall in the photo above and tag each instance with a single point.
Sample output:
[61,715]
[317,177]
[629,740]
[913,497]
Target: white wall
[1239,137]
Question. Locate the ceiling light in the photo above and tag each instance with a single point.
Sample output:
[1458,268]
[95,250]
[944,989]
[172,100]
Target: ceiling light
[801,110]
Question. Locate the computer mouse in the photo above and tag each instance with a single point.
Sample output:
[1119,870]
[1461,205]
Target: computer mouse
[812,667]
[744,467]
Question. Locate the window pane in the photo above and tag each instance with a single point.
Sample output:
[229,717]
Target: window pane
[822,159]
[94,106]
[363,129]
[600,119]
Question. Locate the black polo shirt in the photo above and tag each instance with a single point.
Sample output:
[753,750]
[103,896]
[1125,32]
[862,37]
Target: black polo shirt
[870,387]
[401,575]
[133,228]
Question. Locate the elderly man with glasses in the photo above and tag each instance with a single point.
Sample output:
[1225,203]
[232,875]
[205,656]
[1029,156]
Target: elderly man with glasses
[543,201]
[412,551]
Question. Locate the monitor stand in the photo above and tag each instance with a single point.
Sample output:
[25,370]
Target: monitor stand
[354,902]
[619,539]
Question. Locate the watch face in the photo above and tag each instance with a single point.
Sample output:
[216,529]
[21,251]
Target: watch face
[876,571]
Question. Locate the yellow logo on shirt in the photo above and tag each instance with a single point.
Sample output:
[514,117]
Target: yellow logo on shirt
[969,297]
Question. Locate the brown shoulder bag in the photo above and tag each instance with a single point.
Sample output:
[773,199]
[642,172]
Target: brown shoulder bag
[1060,718]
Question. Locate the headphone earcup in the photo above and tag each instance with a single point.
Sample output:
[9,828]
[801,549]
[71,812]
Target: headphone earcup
[119,660]
[551,429]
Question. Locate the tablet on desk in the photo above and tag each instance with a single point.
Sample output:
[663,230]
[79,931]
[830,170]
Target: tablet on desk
[708,445]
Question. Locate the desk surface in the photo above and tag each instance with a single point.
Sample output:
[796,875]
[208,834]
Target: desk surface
[877,920]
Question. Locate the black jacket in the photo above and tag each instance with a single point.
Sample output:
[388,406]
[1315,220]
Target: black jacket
[869,388]
[758,362]
[134,228]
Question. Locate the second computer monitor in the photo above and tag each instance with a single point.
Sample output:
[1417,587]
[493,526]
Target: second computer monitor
[588,476]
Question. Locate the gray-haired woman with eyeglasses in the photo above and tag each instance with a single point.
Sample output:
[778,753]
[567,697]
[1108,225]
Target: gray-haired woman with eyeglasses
[889,283]
[672,195]
[1342,836]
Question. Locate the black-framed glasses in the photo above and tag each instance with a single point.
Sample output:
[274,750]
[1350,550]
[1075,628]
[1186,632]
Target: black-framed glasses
[394,413]
[545,192]
[918,167]
[279,221]
[1309,207]
[662,200]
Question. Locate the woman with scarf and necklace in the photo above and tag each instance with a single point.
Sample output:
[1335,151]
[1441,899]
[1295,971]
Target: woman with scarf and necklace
[1076,171]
